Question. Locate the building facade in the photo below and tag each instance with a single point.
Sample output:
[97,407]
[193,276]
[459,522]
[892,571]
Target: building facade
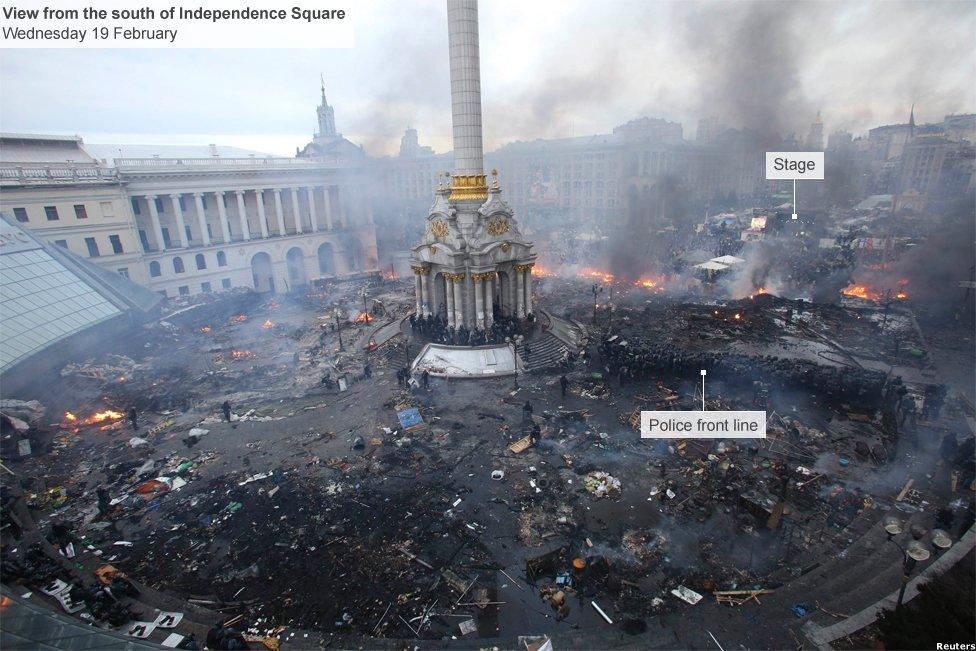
[190,225]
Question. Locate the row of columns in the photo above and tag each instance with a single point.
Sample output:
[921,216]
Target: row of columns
[332,214]
[454,284]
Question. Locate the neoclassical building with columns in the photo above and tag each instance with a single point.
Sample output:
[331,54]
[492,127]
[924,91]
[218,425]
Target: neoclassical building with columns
[191,224]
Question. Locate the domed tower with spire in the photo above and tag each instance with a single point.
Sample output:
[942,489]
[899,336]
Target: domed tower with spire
[472,262]
[326,115]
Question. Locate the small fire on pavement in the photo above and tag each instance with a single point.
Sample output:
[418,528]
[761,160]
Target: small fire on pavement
[241,354]
[861,291]
[107,416]
[541,271]
[268,324]
[238,318]
[649,283]
[205,329]
[590,272]
[363,318]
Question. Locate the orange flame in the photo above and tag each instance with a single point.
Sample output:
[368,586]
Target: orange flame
[239,318]
[241,354]
[541,271]
[109,415]
[865,292]
[363,318]
[268,324]
[649,283]
[590,272]
[205,329]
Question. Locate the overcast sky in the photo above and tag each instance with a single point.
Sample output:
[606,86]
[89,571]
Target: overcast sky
[549,69]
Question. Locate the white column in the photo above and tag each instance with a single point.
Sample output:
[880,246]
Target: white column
[222,213]
[418,292]
[202,218]
[519,292]
[528,291]
[157,227]
[180,224]
[242,214]
[311,208]
[262,218]
[341,200]
[462,36]
[297,212]
[328,206]
[279,213]
[479,301]
[424,293]
[489,300]
[449,296]
[459,302]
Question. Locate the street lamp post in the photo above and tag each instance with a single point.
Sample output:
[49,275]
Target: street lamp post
[911,553]
[335,313]
[365,311]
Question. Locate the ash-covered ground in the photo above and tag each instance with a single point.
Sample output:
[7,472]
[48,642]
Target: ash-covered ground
[313,517]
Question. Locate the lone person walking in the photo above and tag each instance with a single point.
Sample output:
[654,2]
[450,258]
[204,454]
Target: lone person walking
[134,418]
[563,384]
[226,409]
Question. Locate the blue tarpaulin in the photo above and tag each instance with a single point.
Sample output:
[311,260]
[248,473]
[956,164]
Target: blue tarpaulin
[410,417]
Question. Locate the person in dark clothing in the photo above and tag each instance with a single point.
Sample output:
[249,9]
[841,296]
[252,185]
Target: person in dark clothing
[563,384]
[425,379]
[134,418]
[226,409]
[103,500]
[368,371]
[527,411]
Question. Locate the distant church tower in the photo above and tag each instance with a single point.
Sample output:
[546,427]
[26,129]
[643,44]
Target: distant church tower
[815,136]
[327,129]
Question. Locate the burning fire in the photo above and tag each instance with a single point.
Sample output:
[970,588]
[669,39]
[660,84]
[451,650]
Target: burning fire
[541,271]
[241,354]
[268,324]
[649,283]
[759,292]
[205,329]
[107,416]
[861,291]
[363,318]
[590,272]
[737,317]
[239,318]
[901,295]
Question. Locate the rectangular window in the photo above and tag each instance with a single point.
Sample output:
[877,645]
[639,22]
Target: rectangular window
[51,212]
[144,240]
[225,283]
[203,201]
[92,247]
[135,207]
[167,242]
[62,243]
[160,206]
[124,272]
[184,290]
[20,214]
[116,243]
[189,235]
[162,292]
[80,211]
[209,231]
[205,287]
[182,203]
[108,208]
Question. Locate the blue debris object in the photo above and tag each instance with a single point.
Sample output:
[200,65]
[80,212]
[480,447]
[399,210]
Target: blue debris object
[410,417]
[802,610]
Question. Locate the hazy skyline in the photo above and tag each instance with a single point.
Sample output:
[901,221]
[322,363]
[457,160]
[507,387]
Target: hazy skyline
[549,69]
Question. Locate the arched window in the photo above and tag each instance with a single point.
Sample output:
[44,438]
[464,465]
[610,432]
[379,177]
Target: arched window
[201,261]
[178,265]
[154,269]
[221,259]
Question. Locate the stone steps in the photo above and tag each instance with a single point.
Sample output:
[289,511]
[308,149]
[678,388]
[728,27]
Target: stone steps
[546,352]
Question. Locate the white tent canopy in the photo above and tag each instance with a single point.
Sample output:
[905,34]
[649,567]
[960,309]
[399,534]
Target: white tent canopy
[711,265]
[728,260]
